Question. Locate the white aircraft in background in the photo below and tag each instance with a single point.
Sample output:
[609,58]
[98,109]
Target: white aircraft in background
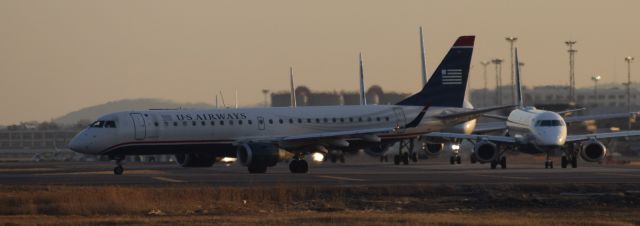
[256,135]
[531,130]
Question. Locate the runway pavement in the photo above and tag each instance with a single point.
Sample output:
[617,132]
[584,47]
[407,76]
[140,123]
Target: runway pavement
[369,174]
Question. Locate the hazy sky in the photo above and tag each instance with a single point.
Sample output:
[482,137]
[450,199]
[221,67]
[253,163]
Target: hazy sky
[59,56]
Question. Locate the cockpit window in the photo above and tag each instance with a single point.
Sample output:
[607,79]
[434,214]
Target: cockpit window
[97,124]
[549,123]
[109,124]
[103,124]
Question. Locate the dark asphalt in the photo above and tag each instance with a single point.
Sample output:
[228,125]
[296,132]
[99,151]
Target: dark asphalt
[369,174]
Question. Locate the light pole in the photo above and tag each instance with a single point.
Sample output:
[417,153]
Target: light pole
[498,63]
[512,40]
[572,78]
[265,92]
[484,76]
[595,80]
[629,59]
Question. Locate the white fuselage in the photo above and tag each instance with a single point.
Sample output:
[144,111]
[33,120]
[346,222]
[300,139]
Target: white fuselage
[543,129]
[146,132]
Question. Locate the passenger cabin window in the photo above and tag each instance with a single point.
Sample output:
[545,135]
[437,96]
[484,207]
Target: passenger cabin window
[549,123]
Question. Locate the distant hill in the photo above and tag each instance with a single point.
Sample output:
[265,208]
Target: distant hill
[93,112]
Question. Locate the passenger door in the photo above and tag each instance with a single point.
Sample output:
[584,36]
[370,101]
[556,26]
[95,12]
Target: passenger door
[139,126]
[260,123]
[401,119]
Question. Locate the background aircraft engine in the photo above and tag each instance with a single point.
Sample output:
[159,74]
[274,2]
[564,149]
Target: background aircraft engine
[195,159]
[432,149]
[265,154]
[593,151]
[485,151]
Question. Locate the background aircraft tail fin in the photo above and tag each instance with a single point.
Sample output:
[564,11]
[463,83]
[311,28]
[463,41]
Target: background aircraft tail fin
[448,84]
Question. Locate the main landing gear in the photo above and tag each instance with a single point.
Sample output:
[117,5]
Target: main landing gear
[455,159]
[118,170]
[298,165]
[566,160]
[571,157]
[548,163]
[405,152]
[502,161]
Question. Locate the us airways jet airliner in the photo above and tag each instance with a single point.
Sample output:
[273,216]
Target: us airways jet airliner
[257,136]
[532,131]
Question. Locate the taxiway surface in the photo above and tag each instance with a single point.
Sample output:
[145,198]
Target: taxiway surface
[327,174]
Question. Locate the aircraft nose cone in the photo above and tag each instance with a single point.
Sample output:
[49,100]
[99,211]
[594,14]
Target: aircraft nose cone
[76,144]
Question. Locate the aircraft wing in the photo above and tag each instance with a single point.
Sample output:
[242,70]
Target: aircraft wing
[487,127]
[469,115]
[600,117]
[499,117]
[570,111]
[493,138]
[621,134]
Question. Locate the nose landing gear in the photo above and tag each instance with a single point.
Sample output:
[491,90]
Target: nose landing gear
[118,170]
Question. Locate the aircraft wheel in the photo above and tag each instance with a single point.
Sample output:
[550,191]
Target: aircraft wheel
[303,166]
[546,165]
[414,157]
[452,160]
[118,170]
[396,159]
[299,166]
[503,162]
[563,162]
[494,164]
[405,159]
[257,168]
[574,162]
[551,165]
[473,159]
[333,158]
[458,159]
[342,158]
[381,158]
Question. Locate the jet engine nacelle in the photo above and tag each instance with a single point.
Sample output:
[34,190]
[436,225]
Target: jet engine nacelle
[432,149]
[258,153]
[195,159]
[593,151]
[485,151]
